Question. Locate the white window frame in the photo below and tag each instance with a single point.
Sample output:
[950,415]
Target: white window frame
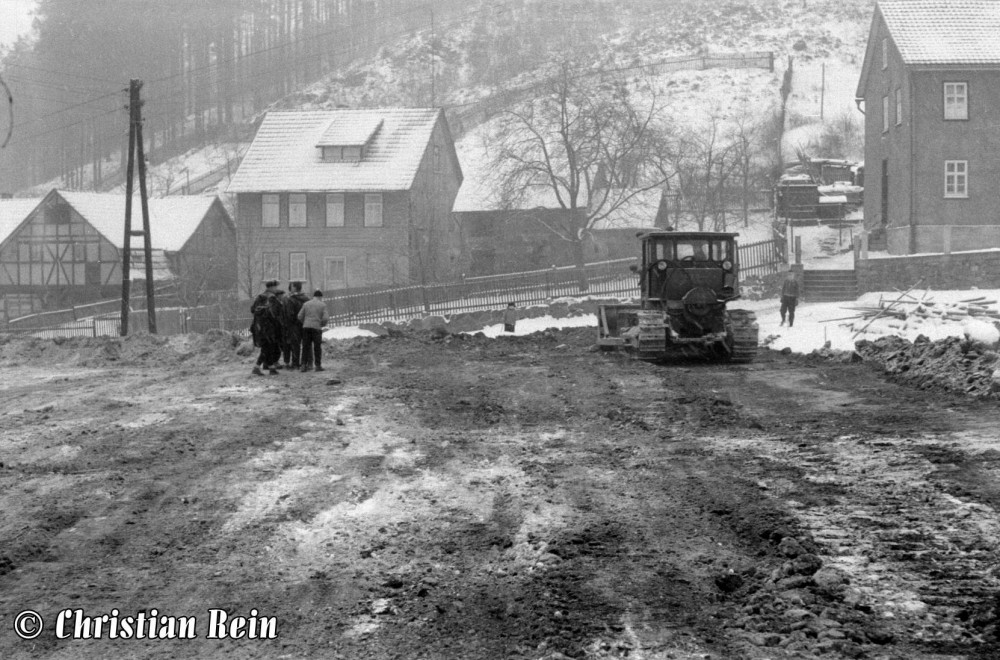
[270,265]
[297,206]
[899,106]
[885,114]
[373,210]
[956,102]
[335,210]
[956,179]
[331,284]
[297,266]
[885,53]
[270,210]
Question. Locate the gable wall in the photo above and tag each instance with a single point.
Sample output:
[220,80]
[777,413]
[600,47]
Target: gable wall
[62,264]
[438,231]
[893,146]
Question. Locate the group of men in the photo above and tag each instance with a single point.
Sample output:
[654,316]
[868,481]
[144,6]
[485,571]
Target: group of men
[288,328]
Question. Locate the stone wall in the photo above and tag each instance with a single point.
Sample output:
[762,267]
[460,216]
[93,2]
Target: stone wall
[958,270]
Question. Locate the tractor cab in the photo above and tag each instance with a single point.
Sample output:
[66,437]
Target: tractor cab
[686,280]
[676,263]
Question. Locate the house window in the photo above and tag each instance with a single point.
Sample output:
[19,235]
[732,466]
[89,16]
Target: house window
[885,114]
[297,266]
[373,210]
[956,178]
[899,106]
[335,210]
[269,210]
[335,271]
[270,266]
[297,210]
[343,154]
[956,100]
[437,159]
[885,53]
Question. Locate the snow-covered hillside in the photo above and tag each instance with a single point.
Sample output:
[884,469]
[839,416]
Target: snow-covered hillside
[476,55]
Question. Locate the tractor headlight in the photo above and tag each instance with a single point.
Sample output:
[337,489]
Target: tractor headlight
[727,265]
[661,265]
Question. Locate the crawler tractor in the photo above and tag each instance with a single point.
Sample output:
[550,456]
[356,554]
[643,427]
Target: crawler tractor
[686,280]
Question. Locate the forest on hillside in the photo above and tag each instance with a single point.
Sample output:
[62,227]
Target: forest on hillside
[209,69]
[205,66]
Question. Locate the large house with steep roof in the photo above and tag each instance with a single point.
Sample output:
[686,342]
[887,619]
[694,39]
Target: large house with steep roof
[930,86]
[66,248]
[348,199]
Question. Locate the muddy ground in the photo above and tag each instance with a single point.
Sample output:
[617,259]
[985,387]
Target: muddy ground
[459,497]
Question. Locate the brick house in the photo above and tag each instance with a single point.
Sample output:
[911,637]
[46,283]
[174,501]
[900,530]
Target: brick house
[346,199]
[66,249]
[930,84]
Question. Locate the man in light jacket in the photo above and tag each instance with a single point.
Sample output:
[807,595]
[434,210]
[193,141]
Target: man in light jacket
[313,316]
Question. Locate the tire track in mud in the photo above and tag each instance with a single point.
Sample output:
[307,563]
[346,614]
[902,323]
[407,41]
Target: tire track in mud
[892,511]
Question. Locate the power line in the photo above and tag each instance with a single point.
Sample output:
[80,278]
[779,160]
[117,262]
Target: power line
[60,73]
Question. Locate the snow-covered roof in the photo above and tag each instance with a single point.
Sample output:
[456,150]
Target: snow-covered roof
[350,131]
[284,155]
[944,31]
[13,212]
[172,220]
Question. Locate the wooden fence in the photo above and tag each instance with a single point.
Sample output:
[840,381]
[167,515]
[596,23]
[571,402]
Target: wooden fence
[606,279]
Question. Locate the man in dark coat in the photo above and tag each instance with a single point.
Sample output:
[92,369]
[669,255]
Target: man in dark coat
[291,349]
[789,297]
[267,312]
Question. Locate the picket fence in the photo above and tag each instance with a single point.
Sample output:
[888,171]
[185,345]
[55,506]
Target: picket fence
[606,279]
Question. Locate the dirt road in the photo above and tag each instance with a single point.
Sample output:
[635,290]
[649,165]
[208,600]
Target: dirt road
[459,497]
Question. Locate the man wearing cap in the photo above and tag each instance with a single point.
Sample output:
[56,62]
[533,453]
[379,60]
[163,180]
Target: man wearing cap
[266,327]
[291,348]
[313,316]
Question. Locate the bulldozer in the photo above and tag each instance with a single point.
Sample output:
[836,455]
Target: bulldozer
[686,280]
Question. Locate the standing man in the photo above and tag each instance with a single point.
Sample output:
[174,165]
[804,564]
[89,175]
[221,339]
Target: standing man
[789,297]
[266,327]
[291,349]
[313,316]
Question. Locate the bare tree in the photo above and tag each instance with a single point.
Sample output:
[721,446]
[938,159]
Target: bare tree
[703,160]
[587,143]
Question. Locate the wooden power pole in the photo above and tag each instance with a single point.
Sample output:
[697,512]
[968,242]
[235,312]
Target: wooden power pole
[135,149]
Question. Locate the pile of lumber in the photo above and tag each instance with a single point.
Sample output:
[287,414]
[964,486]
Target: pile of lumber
[910,307]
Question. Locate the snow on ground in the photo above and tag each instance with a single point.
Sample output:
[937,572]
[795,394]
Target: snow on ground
[815,323]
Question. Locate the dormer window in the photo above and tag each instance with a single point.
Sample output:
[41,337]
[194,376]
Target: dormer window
[340,154]
[347,139]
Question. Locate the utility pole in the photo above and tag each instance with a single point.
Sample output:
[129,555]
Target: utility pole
[822,91]
[135,149]
[433,63]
